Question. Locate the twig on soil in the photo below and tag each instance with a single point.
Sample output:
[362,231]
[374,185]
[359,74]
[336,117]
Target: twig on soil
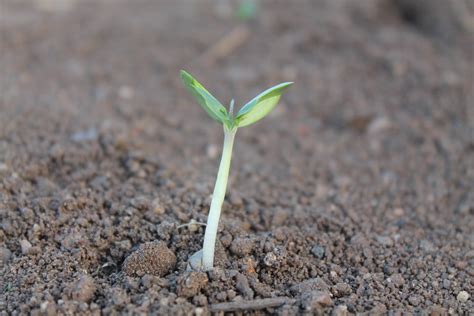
[225,46]
[251,305]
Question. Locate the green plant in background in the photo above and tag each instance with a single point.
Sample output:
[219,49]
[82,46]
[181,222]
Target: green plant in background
[253,111]
[247,10]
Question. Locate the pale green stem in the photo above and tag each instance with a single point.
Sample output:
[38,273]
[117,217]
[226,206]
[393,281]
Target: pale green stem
[217,200]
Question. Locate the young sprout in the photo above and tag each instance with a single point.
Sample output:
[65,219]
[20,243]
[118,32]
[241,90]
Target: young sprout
[253,111]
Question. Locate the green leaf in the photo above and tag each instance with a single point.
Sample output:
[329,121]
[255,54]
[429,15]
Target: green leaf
[261,105]
[206,100]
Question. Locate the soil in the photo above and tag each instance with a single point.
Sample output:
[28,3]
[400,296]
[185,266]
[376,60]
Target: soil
[354,196]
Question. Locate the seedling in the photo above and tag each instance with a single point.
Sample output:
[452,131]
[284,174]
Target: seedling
[253,111]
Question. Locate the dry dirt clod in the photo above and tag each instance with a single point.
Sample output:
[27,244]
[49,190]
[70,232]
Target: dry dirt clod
[242,284]
[385,241]
[315,299]
[414,300]
[191,283]
[242,246]
[165,230]
[148,281]
[140,203]
[340,310]
[118,296]
[437,311]
[316,284]
[258,304]
[152,257]
[342,289]
[83,289]
[397,279]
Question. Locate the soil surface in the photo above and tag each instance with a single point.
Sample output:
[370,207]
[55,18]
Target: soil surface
[354,196]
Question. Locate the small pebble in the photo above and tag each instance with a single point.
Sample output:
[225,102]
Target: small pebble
[212,151]
[270,260]
[193,226]
[157,207]
[149,280]
[342,289]
[340,310]
[25,246]
[318,251]
[118,296]
[198,311]
[378,125]
[140,203]
[200,300]
[165,230]
[385,241]
[221,296]
[5,255]
[126,92]
[414,300]
[398,212]
[397,279]
[427,246]
[463,296]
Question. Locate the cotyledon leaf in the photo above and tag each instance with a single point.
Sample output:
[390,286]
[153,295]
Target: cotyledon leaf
[261,105]
[206,100]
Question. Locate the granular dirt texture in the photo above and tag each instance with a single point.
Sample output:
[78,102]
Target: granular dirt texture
[151,258]
[353,197]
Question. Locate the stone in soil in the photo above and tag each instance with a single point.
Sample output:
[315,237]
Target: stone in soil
[153,258]
[318,251]
[463,296]
[191,283]
[5,255]
[25,246]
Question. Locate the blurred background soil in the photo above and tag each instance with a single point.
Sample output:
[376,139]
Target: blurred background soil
[355,195]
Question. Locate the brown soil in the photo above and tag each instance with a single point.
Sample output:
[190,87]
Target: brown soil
[354,196]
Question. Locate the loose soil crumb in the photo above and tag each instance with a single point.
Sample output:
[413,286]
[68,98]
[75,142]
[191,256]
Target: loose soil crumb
[190,284]
[150,258]
[315,300]
[354,197]
[82,289]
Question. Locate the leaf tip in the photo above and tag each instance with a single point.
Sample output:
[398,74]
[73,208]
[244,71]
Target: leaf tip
[185,75]
[286,84]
